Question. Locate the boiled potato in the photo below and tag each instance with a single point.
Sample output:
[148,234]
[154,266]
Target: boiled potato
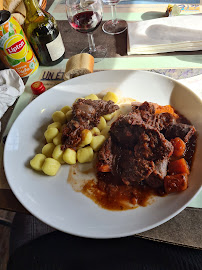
[37,162]
[92,97]
[48,148]
[59,116]
[95,131]
[69,156]
[58,139]
[109,116]
[55,125]
[111,96]
[69,115]
[51,166]
[65,109]
[86,137]
[102,124]
[105,131]
[50,133]
[97,142]
[58,154]
[85,154]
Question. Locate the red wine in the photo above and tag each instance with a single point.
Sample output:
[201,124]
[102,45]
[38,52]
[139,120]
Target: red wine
[86,21]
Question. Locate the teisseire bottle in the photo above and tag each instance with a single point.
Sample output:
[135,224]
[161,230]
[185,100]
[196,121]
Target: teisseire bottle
[42,32]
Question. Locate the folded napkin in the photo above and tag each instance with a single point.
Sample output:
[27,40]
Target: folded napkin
[11,87]
[178,33]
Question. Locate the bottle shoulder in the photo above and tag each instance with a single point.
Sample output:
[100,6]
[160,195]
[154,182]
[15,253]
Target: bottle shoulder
[42,24]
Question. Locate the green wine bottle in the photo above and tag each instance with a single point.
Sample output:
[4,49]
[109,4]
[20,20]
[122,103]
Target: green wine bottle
[42,32]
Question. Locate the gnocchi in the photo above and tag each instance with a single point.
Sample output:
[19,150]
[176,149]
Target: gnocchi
[59,116]
[58,139]
[69,156]
[48,148]
[65,109]
[102,124]
[95,131]
[109,116]
[85,154]
[51,133]
[37,162]
[105,131]
[86,137]
[58,154]
[92,97]
[51,166]
[55,125]
[111,96]
[69,115]
[97,142]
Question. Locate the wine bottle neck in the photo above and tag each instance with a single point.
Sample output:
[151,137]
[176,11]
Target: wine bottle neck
[32,8]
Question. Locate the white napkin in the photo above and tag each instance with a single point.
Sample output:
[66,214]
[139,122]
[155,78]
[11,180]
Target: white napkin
[11,87]
[178,33]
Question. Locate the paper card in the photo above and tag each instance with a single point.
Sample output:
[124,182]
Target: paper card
[51,78]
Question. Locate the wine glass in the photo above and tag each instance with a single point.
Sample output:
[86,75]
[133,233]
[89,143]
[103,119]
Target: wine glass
[85,16]
[114,26]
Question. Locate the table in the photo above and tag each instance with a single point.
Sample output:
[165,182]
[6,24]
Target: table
[176,65]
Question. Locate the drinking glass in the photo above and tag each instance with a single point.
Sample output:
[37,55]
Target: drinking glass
[114,26]
[85,16]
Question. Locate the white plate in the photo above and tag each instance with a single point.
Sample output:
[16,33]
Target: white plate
[52,199]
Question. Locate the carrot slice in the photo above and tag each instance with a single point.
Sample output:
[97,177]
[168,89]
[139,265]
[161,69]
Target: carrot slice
[175,183]
[166,109]
[178,166]
[104,168]
[179,147]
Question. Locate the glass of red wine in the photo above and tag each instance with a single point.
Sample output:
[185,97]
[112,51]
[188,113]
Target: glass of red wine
[114,26]
[85,16]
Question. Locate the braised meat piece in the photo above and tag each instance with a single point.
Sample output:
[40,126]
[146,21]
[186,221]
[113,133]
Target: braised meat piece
[105,157]
[156,179]
[184,131]
[91,110]
[124,131]
[152,145]
[86,115]
[163,121]
[71,134]
[138,151]
[146,111]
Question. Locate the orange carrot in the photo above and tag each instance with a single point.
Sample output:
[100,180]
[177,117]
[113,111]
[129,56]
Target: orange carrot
[175,183]
[179,147]
[104,168]
[166,109]
[178,166]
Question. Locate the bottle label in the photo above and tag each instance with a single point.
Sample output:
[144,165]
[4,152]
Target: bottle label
[56,48]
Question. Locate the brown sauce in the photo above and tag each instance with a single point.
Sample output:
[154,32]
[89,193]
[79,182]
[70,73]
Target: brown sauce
[118,198]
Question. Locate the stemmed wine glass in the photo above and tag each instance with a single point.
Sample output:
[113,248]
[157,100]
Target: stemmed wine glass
[114,26]
[85,16]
